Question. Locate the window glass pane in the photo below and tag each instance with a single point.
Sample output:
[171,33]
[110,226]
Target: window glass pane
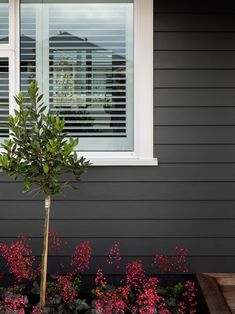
[4,98]
[82,55]
[4,12]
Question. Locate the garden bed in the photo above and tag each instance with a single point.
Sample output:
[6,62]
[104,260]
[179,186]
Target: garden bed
[135,292]
[166,282]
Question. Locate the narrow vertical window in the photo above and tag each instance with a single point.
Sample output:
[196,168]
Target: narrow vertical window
[81,52]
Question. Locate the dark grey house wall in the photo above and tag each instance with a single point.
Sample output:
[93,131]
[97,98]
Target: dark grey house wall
[189,199]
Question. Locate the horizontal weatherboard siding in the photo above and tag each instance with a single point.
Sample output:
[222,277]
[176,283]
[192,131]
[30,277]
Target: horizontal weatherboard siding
[198,153]
[136,229]
[137,175]
[195,7]
[141,191]
[199,60]
[142,246]
[61,264]
[119,210]
[188,199]
[195,116]
[199,41]
[195,135]
[217,22]
[191,97]
[194,78]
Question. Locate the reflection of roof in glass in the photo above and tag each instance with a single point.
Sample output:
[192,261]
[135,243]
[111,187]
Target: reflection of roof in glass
[55,42]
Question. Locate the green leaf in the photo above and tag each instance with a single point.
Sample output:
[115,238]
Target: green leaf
[27,185]
[42,109]
[40,98]
[45,168]
[4,161]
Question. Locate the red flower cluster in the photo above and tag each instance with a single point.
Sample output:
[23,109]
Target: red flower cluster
[110,300]
[139,295]
[100,280]
[179,260]
[136,294]
[175,263]
[114,256]
[55,242]
[19,259]
[162,263]
[189,301]
[14,304]
[135,275]
[148,298]
[120,299]
[81,257]
[66,288]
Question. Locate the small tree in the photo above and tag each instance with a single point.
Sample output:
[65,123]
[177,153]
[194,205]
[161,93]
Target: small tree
[40,152]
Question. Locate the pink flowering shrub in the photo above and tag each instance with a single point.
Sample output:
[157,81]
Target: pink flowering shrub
[140,294]
[55,243]
[189,299]
[135,275]
[100,280]
[172,264]
[136,294]
[109,300]
[14,304]
[148,298]
[65,288]
[63,296]
[118,300]
[20,259]
[179,260]
[81,257]
[114,256]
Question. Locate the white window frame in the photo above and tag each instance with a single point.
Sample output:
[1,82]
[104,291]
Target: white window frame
[11,51]
[142,154]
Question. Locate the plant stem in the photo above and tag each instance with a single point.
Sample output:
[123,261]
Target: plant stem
[45,251]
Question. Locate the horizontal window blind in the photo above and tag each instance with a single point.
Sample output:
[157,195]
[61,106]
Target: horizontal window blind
[4,21]
[82,55]
[4,97]
[28,47]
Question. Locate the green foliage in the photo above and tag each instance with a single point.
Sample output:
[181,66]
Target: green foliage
[55,305]
[77,284]
[174,291]
[178,289]
[38,149]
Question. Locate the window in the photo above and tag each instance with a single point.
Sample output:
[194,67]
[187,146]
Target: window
[93,61]
[82,53]
[8,60]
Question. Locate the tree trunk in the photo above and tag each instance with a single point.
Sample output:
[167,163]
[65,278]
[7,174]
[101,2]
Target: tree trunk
[45,251]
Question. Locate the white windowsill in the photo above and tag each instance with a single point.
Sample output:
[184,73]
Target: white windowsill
[109,159]
[123,161]
[118,158]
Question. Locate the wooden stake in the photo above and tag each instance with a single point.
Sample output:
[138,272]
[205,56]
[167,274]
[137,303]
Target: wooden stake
[45,252]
